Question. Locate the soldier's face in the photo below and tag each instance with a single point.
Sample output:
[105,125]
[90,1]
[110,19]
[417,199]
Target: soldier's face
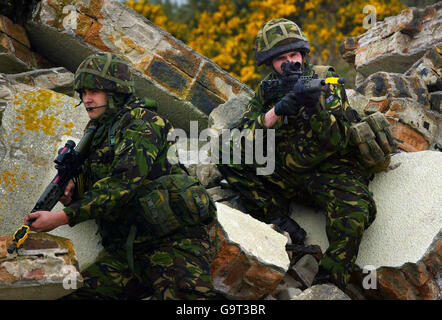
[292,56]
[94,98]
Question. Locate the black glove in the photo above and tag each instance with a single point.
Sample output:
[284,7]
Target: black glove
[288,105]
[304,98]
[293,101]
[297,233]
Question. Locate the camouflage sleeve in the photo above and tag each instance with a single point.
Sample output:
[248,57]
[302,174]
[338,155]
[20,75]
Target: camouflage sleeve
[136,148]
[256,110]
[330,124]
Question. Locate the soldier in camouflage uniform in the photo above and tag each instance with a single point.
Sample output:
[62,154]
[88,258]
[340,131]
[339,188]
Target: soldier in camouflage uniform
[152,216]
[315,162]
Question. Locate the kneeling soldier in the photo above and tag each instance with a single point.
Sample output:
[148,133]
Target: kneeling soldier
[151,215]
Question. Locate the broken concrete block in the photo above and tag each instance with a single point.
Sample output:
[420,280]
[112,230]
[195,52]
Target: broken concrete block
[45,268]
[394,44]
[405,102]
[414,124]
[305,270]
[348,49]
[229,114]
[56,79]
[322,292]
[36,122]
[357,101]
[186,85]
[220,194]
[411,139]
[208,175]
[435,101]
[16,55]
[250,257]
[429,69]
[411,281]
[394,85]
[289,293]
[407,225]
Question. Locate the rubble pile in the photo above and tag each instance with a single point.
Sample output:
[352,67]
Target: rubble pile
[398,62]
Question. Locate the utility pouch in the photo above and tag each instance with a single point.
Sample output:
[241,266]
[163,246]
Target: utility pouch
[381,128]
[173,202]
[374,140]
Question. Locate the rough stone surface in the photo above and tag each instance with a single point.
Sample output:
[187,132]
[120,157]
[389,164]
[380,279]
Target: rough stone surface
[250,257]
[228,115]
[322,292]
[429,69]
[36,122]
[394,85]
[405,102]
[436,101]
[357,101]
[394,44]
[406,229]
[407,219]
[16,55]
[411,281]
[56,79]
[44,268]
[186,85]
[305,269]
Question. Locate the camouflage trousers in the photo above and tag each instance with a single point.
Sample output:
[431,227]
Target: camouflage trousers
[176,271]
[339,187]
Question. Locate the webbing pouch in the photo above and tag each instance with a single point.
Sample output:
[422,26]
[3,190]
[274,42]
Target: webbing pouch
[175,201]
[158,214]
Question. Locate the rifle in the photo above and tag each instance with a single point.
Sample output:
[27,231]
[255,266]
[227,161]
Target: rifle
[68,163]
[292,80]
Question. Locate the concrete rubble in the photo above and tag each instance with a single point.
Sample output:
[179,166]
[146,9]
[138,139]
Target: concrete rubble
[402,248]
[396,43]
[44,268]
[250,256]
[398,62]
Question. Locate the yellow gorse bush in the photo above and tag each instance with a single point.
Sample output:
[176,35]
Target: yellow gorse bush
[227,35]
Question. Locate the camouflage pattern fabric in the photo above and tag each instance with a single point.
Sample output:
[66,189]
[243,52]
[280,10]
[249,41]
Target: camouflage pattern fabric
[315,165]
[128,152]
[104,71]
[178,270]
[278,36]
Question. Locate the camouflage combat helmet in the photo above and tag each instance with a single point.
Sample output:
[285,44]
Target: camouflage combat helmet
[104,71]
[270,40]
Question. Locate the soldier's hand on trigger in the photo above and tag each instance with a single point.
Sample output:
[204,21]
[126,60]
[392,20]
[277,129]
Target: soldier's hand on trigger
[304,97]
[44,221]
[66,198]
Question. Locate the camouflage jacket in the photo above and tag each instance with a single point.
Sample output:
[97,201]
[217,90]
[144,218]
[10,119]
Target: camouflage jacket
[306,139]
[128,151]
